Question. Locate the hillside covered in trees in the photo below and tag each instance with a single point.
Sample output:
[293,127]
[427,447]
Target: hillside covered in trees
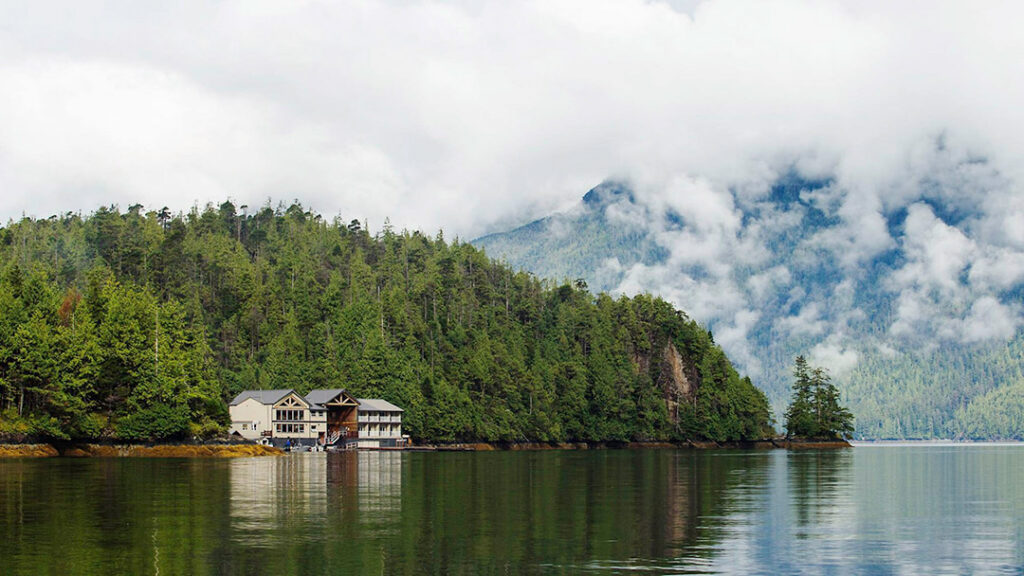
[904,383]
[140,324]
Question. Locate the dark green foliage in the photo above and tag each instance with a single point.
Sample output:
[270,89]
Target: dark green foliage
[159,421]
[815,411]
[143,324]
[800,420]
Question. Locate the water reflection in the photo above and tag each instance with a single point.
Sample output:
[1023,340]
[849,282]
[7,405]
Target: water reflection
[870,510]
[309,496]
[951,509]
[365,489]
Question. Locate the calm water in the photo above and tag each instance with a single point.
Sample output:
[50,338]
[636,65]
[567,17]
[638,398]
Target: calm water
[869,510]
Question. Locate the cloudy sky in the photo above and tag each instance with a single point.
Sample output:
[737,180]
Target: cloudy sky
[476,116]
[469,115]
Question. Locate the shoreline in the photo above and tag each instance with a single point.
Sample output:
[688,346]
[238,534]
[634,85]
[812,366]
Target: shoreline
[935,443]
[98,450]
[771,444]
[213,450]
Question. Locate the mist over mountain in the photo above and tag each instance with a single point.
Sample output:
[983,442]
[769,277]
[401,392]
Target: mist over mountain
[912,301]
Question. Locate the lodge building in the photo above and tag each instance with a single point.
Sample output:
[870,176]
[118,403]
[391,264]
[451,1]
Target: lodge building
[320,418]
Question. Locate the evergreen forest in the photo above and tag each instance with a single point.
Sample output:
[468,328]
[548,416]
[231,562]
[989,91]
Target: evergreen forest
[141,324]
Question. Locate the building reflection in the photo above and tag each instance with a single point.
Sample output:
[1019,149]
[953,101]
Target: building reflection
[310,497]
[365,487]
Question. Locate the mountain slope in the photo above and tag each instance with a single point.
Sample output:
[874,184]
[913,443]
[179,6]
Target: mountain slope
[903,346]
[579,243]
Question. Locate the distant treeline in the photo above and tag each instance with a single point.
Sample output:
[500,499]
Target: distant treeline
[140,324]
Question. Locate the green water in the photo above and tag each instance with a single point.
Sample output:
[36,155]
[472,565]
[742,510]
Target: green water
[874,510]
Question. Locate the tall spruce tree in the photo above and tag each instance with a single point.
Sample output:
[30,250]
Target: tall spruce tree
[800,420]
[833,420]
[815,410]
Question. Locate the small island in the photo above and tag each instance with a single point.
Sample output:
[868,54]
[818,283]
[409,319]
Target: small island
[815,414]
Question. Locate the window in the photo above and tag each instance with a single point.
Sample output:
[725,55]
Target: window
[290,428]
[289,415]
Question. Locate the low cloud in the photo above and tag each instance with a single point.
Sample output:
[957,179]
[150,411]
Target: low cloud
[807,322]
[838,271]
[470,115]
[833,356]
[459,114]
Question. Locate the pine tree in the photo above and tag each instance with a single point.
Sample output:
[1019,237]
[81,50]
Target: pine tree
[815,410]
[800,418]
[832,419]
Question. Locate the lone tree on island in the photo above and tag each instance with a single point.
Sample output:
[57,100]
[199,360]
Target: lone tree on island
[814,410]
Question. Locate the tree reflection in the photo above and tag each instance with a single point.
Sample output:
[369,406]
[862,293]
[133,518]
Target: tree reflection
[817,480]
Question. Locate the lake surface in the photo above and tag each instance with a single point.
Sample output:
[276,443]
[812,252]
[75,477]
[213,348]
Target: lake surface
[867,510]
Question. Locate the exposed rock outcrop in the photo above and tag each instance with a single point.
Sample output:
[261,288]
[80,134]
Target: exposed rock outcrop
[678,379]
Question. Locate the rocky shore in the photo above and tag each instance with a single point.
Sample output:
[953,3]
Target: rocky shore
[136,450]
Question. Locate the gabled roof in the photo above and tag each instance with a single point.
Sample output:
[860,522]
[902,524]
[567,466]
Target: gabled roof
[261,396]
[377,405]
[317,398]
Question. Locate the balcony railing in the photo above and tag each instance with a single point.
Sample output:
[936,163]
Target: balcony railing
[382,418]
[380,433]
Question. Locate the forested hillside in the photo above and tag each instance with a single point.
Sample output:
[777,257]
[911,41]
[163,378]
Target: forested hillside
[140,324]
[904,376]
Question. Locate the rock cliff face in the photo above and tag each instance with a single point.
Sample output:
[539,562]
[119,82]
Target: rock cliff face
[678,379]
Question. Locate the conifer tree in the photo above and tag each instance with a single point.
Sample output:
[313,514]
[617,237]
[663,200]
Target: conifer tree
[815,410]
[833,420]
[800,419]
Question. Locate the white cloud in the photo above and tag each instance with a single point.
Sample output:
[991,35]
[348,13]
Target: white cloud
[77,135]
[833,356]
[461,114]
[807,322]
[937,253]
[1000,269]
[988,319]
[457,114]
[766,283]
[627,214]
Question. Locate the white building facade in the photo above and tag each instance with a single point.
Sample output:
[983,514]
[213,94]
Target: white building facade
[322,417]
[257,414]
[380,424]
